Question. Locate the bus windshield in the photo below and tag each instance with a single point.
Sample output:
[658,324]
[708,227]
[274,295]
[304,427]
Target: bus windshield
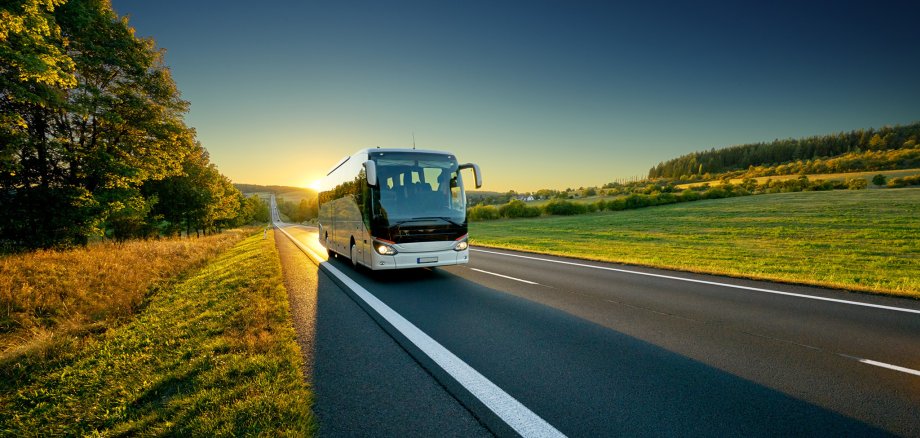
[418,186]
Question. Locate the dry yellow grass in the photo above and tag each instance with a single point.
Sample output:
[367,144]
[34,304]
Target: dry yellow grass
[49,293]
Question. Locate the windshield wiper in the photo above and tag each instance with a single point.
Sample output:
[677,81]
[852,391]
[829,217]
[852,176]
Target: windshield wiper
[421,219]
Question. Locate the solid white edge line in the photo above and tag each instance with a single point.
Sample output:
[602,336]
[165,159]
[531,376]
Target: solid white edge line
[504,276]
[890,366]
[519,417]
[757,289]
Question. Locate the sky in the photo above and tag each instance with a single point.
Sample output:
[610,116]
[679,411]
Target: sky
[540,94]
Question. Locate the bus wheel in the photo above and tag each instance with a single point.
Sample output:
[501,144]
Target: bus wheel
[353,252]
[330,253]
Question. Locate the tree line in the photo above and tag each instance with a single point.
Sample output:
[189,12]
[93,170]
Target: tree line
[741,157]
[93,140]
[306,209]
[849,162]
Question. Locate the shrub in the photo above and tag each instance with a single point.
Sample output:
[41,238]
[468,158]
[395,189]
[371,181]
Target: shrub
[516,208]
[689,195]
[616,204]
[666,198]
[482,213]
[636,200]
[879,180]
[750,184]
[715,193]
[857,184]
[904,182]
[564,208]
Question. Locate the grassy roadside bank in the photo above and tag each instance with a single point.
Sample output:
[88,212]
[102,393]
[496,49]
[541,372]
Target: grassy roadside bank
[49,295]
[859,240]
[213,354]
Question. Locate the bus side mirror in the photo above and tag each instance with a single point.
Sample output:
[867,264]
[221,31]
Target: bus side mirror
[370,170]
[476,172]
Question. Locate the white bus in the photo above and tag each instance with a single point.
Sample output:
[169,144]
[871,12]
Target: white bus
[396,208]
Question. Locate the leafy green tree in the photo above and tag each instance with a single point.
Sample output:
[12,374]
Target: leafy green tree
[254,210]
[92,135]
[879,180]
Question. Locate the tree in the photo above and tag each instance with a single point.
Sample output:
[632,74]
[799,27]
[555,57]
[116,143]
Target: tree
[879,180]
[92,136]
[254,210]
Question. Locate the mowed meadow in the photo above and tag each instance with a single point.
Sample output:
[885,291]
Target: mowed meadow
[864,240]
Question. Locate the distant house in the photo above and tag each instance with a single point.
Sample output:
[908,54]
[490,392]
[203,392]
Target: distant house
[524,198]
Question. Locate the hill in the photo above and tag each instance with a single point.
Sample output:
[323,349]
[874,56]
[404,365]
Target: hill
[288,193]
[858,144]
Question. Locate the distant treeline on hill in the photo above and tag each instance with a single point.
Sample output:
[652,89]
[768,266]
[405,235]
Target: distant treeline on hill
[717,161]
[276,190]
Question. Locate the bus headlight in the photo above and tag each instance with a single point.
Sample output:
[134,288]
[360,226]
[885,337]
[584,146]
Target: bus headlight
[461,245]
[384,249]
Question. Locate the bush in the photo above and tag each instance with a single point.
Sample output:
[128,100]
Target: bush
[857,184]
[689,195]
[715,193]
[636,200]
[482,213]
[564,208]
[879,180]
[516,208]
[615,204]
[665,198]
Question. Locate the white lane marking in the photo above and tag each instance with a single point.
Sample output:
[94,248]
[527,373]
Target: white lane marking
[503,276]
[890,366]
[519,417]
[757,289]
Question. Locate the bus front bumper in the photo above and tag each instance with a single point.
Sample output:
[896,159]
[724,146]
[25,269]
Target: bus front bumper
[428,259]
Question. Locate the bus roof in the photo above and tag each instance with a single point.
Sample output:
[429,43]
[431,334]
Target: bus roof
[419,151]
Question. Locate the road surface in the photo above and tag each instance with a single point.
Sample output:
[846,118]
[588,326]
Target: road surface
[597,349]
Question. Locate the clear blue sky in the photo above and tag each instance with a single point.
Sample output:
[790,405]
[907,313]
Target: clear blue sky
[540,94]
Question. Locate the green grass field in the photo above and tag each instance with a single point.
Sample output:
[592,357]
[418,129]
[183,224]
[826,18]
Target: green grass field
[863,240]
[211,355]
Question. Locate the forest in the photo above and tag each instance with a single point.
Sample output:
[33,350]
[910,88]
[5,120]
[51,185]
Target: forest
[777,152]
[93,142]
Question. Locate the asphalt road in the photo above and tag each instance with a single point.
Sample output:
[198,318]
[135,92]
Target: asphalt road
[596,351]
